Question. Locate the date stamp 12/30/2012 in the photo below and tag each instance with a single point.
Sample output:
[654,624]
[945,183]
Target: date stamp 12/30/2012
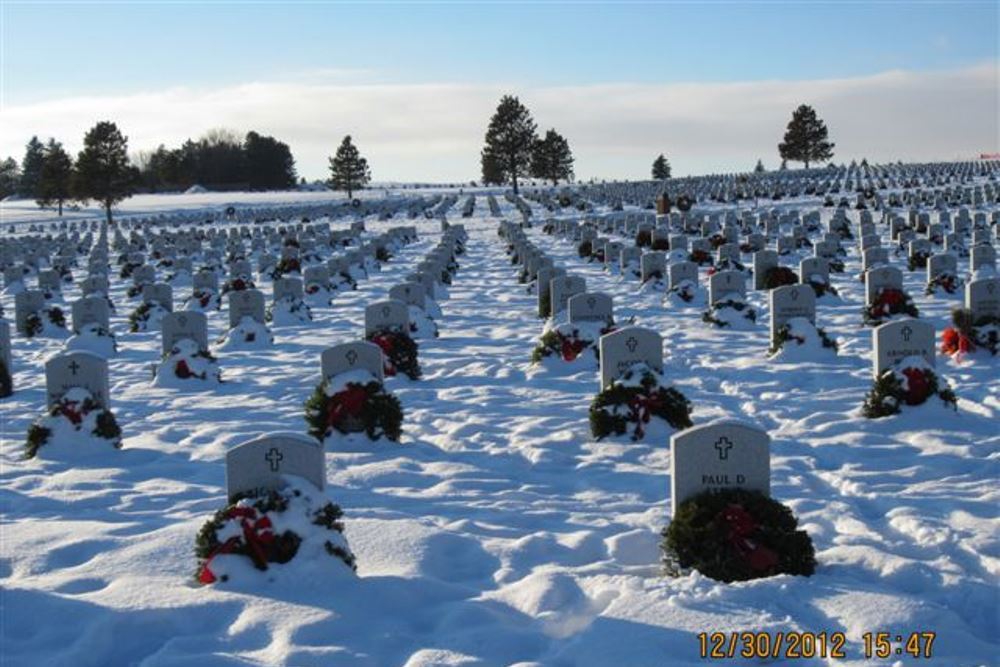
[805,645]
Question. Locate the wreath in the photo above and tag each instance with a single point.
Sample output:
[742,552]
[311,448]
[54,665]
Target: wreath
[621,405]
[549,228]
[79,411]
[918,261]
[127,270]
[726,264]
[909,384]
[644,238]
[653,278]
[568,342]
[778,276]
[544,304]
[717,241]
[358,406]
[789,332]
[889,301]
[6,381]
[34,324]
[660,244]
[585,249]
[967,335]
[291,306]
[710,316]
[248,328]
[189,361]
[382,254]
[736,535]
[597,256]
[286,265]
[700,257]
[822,287]
[400,352]
[949,282]
[247,527]
[835,265]
[139,317]
[685,290]
[203,297]
[237,285]
[133,291]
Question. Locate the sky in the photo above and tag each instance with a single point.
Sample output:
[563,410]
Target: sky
[709,84]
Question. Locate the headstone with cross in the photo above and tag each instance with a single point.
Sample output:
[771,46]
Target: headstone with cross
[245,303]
[982,298]
[27,303]
[410,293]
[896,340]
[257,467]
[762,261]
[679,272]
[982,257]
[882,277]
[621,350]
[49,281]
[941,265]
[159,293]
[629,255]
[719,456]
[726,285]
[388,315]
[143,275]
[590,307]
[206,280]
[186,324]
[790,301]
[77,369]
[814,269]
[654,263]
[545,276]
[359,355]
[562,288]
[94,285]
[287,289]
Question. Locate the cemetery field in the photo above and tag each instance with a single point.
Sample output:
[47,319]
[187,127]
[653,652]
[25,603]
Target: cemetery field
[498,530]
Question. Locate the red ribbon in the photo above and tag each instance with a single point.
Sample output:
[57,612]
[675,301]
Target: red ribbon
[641,407]
[741,527]
[887,301]
[918,386]
[346,403]
[258,534]
[953,340]
[69,410]
[386,342]
[571,347]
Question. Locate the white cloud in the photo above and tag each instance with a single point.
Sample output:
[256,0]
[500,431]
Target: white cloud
[435,131]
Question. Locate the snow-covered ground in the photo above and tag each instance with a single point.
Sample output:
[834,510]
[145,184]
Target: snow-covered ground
[497,531]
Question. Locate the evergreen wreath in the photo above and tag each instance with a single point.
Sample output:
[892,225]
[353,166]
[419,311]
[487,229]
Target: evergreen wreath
[779,276]
[660,244]
[34,324]
[204,298]
[400,352]
[567,344]
[286,265]
[183,370]
[138,317]
[967,335]
[585,249]
[716,241]
[6,381]
[710,317]
[644,239]
[835,265]
[700,257]
[248,521]
[822,287]
[76,413]
[785,334]
[918,261]
[685,290]
[736,535]
[237,284]
[545,304]
[909,385]
[948,282]
[619,405]
[889,301]
[382,254]
[358,407]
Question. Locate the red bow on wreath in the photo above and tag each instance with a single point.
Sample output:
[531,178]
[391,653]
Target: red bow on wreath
[741,526]
[888,301]
[918,385]
[642,407]
[346,403]
[953,340]
[204,299]
[257,535]
[572,347]
[183,371]
[70,411]
[387,344]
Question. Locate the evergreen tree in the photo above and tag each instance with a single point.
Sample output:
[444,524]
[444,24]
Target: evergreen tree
[805,138]
[57,176]
[270,165]
[348,170]
[551,158]
[784,164]
[31,168]
[492,171]
[510,139]
[759,169]
[661,168]
[10,176]
[103,171]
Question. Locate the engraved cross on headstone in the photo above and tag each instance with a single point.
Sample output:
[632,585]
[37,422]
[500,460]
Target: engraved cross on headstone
[631,344]
[723,445]
[274,457]
[74,367]
[351,356]
[907,332]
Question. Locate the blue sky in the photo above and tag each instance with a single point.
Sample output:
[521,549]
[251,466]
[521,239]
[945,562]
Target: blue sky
[56,51]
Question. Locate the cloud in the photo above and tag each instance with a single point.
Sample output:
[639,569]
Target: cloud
[434,132]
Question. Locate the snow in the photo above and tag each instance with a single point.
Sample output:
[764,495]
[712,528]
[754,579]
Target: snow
[497,531]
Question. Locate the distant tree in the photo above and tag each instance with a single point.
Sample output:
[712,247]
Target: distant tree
[219,160]
[661,168]
[269,163]
[552,159]
[784,165]
[348,170]
[10,176]
[510,140]
[103,171]
[31,168]
[493,173]
[57,177]
[759,169]
[805,138]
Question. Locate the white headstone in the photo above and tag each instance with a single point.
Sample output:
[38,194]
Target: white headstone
[360,355]
[185,324]
[390,315]
[77,369]
[256,467]
[622,349]
[894,341]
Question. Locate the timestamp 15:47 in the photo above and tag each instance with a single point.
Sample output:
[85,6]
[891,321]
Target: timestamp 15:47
[887,644]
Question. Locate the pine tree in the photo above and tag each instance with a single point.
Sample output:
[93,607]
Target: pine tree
[551,158]
[661,168]
[103,171]
[759,169]
[510,139]
[31,168]
[269,162]
[492,171]
[57,176]
[10,176]
[806,138]
[348,170]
